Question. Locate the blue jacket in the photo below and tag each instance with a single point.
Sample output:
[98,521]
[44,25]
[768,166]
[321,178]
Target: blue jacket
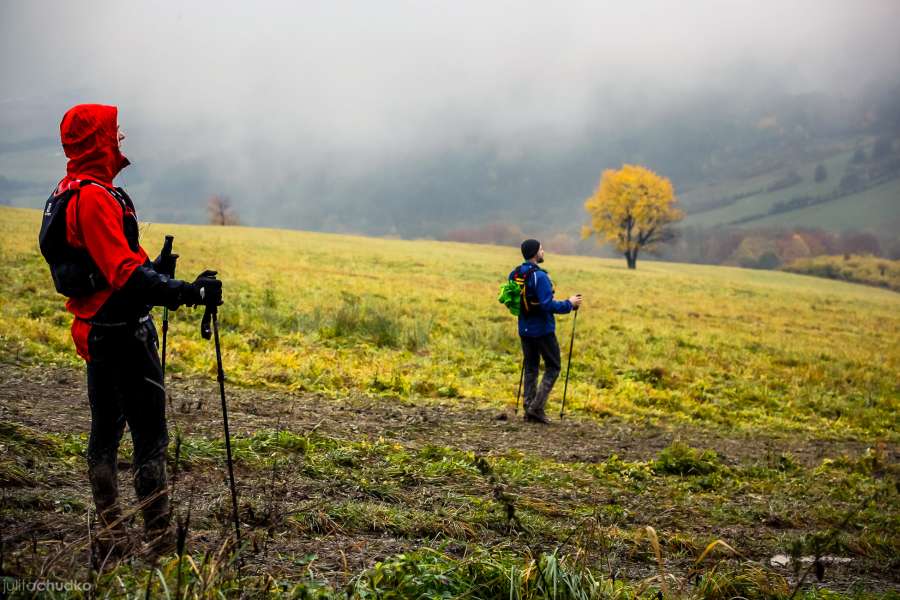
[538,321]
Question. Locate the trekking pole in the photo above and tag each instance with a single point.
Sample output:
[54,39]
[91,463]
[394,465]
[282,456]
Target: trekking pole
[568,365]
[166,252]
[212,313]
[519,391]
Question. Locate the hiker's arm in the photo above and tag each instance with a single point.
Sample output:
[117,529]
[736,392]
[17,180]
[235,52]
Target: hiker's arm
[161,290]
[545,297]
[99,219]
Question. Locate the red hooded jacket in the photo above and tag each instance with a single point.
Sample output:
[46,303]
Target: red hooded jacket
[94,217]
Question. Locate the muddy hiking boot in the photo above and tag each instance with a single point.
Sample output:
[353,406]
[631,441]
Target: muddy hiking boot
[159,539]
[150,485]
[159,542]
[541,418]
[111,539]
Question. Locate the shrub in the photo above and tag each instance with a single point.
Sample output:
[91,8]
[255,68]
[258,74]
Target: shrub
[821,173]
[868,270]
[369,321]
[681,459]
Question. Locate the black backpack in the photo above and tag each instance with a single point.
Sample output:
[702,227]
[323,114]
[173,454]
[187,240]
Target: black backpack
[73,270]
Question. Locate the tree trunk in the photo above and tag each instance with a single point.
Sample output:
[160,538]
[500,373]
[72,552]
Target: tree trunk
[631,259]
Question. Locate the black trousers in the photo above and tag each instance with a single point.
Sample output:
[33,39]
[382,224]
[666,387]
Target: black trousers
[125,386]
[534,349]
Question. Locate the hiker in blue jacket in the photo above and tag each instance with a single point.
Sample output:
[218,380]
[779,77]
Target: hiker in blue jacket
[537,330]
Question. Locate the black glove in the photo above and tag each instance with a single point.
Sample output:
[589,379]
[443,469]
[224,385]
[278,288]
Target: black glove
[146,285]
[165,264]
[149,286]
[206,290]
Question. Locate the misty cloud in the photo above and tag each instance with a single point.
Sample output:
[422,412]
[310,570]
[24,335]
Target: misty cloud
[305,101]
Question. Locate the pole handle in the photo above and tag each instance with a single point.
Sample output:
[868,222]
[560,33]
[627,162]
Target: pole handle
[167,246]
[205,329]
[166,258]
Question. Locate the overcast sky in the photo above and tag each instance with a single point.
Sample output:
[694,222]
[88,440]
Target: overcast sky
[270,85]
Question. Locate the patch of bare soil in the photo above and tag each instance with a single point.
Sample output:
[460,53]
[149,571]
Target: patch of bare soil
[51,537]
[55,400]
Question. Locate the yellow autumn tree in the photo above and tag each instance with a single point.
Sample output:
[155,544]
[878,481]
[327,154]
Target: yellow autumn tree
[632,209]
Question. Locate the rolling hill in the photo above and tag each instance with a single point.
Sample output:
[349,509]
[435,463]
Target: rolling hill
[734,154]
[716,418]
[753,203]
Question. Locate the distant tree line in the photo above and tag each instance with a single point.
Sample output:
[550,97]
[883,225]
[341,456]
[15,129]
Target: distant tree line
[864,170]
[708,205]
[771,248]
[506,234]
[501,234]
[759,248]
[791,179]
[860,176]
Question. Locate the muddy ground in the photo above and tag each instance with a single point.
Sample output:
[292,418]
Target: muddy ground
[54,400]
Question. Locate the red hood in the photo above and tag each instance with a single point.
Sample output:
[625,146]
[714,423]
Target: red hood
[89,135]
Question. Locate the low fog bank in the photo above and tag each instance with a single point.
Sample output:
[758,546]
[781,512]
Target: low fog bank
[400,120]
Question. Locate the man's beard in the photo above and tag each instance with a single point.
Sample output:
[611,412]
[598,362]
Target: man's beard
[540,259]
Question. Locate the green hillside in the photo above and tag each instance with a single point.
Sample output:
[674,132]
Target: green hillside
[373,384]
[872,205]
[876,209]
[758,201]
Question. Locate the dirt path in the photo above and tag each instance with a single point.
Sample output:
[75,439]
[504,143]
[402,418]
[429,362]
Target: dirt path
[55,400]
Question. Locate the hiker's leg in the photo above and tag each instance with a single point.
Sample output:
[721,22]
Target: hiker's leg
[107,426]
[549,349]
[532,359]
[145,410]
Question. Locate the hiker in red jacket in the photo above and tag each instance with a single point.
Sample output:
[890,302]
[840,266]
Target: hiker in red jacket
[112,285]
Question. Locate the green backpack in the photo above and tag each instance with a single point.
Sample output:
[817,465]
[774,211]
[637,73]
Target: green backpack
[512,293]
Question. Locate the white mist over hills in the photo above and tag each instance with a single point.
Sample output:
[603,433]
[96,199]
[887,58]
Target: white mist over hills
[408,118]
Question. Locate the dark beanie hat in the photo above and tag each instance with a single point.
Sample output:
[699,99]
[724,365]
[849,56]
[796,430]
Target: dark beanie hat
[530,248]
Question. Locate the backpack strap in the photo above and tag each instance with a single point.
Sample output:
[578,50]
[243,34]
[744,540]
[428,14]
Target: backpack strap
[83,182]
[114,192]
[129,214]
[525,276]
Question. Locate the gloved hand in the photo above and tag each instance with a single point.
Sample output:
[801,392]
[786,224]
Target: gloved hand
[206,290]
[165,265]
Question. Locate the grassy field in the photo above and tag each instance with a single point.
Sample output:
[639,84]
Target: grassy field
[374,380]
